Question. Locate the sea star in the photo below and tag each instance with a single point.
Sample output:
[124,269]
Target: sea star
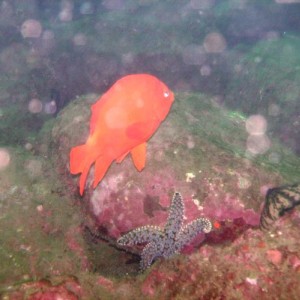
[165,241]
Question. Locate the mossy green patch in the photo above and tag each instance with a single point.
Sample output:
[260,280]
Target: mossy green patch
[39,228]
[224,129]
[268,84]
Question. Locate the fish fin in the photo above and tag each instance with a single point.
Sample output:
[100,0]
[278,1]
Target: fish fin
[82,179]
[78,157]
[120,159]
[141,130]
[138,154]
[81,159]
[101,167]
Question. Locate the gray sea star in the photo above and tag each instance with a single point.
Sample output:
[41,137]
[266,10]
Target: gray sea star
[165,242]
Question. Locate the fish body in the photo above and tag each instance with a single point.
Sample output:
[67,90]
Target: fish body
[122,121]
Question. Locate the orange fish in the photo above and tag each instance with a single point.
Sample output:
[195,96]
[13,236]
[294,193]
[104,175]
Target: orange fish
[122,121]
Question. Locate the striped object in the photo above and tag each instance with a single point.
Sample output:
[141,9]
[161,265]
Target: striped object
[278,201]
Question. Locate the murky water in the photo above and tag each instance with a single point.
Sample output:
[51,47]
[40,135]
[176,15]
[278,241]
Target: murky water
[230,136]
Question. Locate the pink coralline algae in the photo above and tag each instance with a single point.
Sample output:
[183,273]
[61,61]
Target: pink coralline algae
[106,283]
[120,206]
[230,208]
[274,256]
[68,289]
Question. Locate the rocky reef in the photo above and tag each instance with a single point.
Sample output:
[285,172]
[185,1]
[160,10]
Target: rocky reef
[191,152]
[200,150]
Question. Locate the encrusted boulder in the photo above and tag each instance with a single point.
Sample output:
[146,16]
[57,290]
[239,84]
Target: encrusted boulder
[200,150]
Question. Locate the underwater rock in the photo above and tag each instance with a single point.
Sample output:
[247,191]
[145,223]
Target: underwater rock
[64,288]
[198,150]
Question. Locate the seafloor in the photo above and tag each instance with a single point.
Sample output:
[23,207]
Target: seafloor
[49,244]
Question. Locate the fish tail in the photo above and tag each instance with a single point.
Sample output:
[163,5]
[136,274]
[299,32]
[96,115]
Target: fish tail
[78,159]
[82,179]
[101,166]
[80,162]
[81,159]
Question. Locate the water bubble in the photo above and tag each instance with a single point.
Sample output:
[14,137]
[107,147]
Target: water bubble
[257,59]
[190,142]
[35,106]
[28,146]
[31,29]
[214,42]
[4,159]
[79,39]
[258,144]
[256,125]
[205,70]
[40,208]
[66,13]
[50,107]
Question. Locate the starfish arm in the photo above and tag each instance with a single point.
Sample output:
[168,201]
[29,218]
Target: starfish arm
[149,253]
[144,234]
[191,230]
[175,218]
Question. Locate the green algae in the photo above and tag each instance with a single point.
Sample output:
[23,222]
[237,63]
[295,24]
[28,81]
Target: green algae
[225,129]
[272,71]
[267,80]
[34,221]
